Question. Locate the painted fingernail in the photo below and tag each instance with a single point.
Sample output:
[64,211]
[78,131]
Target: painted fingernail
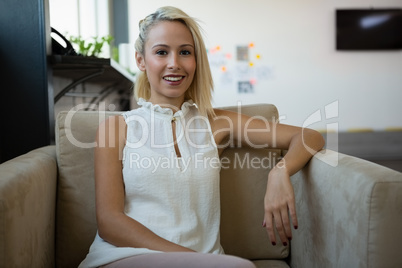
[296,227]
[273,243]
[289,238]
[285,244]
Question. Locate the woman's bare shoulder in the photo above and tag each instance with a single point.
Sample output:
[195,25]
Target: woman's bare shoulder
[113,122]
[112,128]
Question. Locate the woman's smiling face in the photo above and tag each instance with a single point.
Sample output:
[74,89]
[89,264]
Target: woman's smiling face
[169,61]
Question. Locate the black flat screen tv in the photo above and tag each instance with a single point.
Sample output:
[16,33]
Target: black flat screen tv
[368,29]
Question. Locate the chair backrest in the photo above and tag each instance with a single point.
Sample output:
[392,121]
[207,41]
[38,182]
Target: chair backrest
[243,183]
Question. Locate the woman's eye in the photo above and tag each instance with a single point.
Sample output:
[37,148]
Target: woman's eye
[185,52]
[161,52]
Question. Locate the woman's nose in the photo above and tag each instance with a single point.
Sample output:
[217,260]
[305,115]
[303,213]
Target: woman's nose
[173,62]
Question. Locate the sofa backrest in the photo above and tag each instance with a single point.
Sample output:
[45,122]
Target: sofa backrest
[243,187]
[243,183]
[75,206]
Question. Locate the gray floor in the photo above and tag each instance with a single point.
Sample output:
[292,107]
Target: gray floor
[382,147]
[393,164]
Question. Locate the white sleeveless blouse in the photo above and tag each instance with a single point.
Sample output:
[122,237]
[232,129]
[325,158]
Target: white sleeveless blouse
[177,198]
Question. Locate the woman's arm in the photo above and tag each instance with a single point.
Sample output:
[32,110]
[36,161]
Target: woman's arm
[279,201]
[114,226]
[231,128]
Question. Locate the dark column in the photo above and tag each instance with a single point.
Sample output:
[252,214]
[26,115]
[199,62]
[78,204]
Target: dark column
[26,104]
[119,21]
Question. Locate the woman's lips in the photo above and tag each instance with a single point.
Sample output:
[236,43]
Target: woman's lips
[173,78]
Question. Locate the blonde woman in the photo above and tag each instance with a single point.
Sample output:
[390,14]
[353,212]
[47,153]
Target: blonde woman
[157,167]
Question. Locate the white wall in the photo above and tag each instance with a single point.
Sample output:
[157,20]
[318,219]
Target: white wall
[303,71]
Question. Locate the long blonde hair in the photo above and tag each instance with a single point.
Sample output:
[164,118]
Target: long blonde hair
[200,90]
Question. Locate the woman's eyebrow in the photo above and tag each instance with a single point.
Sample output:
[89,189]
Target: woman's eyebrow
[160,45]
[186,45]
[167,46]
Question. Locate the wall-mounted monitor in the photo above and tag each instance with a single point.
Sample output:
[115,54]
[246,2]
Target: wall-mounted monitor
[368,29]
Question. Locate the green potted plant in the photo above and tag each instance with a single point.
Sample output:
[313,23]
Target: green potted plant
[90,47]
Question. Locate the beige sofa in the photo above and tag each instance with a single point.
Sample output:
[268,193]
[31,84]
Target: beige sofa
[349,210]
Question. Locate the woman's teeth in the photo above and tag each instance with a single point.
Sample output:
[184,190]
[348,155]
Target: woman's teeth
[173,79]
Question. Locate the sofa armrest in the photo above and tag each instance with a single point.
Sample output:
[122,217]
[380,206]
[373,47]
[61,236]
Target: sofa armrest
[349,212]
[27,209]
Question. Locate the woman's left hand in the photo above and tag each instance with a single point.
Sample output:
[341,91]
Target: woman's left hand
[301,144]
[279,202]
